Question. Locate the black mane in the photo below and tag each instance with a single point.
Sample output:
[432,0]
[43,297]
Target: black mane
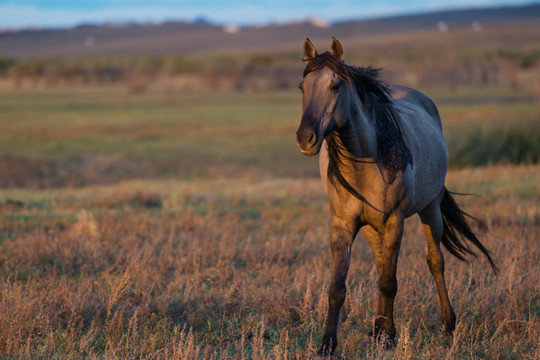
[393,155]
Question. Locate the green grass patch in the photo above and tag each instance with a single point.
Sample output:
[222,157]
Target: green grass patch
[100,135]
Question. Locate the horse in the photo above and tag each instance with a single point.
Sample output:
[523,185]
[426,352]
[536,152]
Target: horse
[382,158]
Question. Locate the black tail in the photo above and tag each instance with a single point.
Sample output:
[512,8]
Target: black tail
[456,229]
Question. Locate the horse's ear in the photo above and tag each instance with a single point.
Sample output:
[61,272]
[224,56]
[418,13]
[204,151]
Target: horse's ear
[336,49]
[309,51]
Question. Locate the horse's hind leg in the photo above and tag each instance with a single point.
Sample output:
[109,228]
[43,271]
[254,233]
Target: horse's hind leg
[433,227]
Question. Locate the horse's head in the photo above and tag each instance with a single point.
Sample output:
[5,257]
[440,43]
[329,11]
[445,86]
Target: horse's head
[326,96]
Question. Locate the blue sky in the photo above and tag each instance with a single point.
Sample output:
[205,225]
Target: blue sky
[62,13]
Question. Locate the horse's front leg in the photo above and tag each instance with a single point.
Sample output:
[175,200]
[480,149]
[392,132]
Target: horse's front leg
[342,234]
[385,244]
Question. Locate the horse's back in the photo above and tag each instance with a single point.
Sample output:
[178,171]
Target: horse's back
[422,131]
[403,95]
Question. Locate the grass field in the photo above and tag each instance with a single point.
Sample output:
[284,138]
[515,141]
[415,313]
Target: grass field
[190,227]
[74,137]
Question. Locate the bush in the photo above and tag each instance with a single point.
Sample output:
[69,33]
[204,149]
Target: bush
[5,65]
[481,146]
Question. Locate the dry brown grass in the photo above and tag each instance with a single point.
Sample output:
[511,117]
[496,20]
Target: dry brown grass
[235,269]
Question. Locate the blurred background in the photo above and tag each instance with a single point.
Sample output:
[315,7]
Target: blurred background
[102,91]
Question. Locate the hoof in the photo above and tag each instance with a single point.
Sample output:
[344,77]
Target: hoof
[328,346]
[371,339]
[324,352]
[449,331]
[449,339]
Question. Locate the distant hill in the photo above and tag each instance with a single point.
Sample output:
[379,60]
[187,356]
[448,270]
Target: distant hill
[180,38]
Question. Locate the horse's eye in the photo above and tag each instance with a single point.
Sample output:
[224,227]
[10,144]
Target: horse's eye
[335,87]
[300,87]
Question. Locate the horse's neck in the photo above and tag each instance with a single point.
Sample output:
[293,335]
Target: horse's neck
[357,137]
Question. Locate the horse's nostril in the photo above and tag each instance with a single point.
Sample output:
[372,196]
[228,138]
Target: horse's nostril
[311,138]
[306,138]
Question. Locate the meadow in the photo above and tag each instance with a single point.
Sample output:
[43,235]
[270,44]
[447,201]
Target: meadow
[189,226]
[80,136]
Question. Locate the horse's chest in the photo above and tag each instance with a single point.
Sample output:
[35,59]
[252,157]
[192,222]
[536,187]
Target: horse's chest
[378,196]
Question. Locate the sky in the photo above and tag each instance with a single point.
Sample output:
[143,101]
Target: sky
[65,13]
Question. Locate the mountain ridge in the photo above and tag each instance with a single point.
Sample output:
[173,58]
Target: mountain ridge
[183,38]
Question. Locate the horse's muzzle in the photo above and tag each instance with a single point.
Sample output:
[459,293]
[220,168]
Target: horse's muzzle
[308,142]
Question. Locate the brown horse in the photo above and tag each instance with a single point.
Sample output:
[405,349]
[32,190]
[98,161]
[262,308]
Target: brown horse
[382,159]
